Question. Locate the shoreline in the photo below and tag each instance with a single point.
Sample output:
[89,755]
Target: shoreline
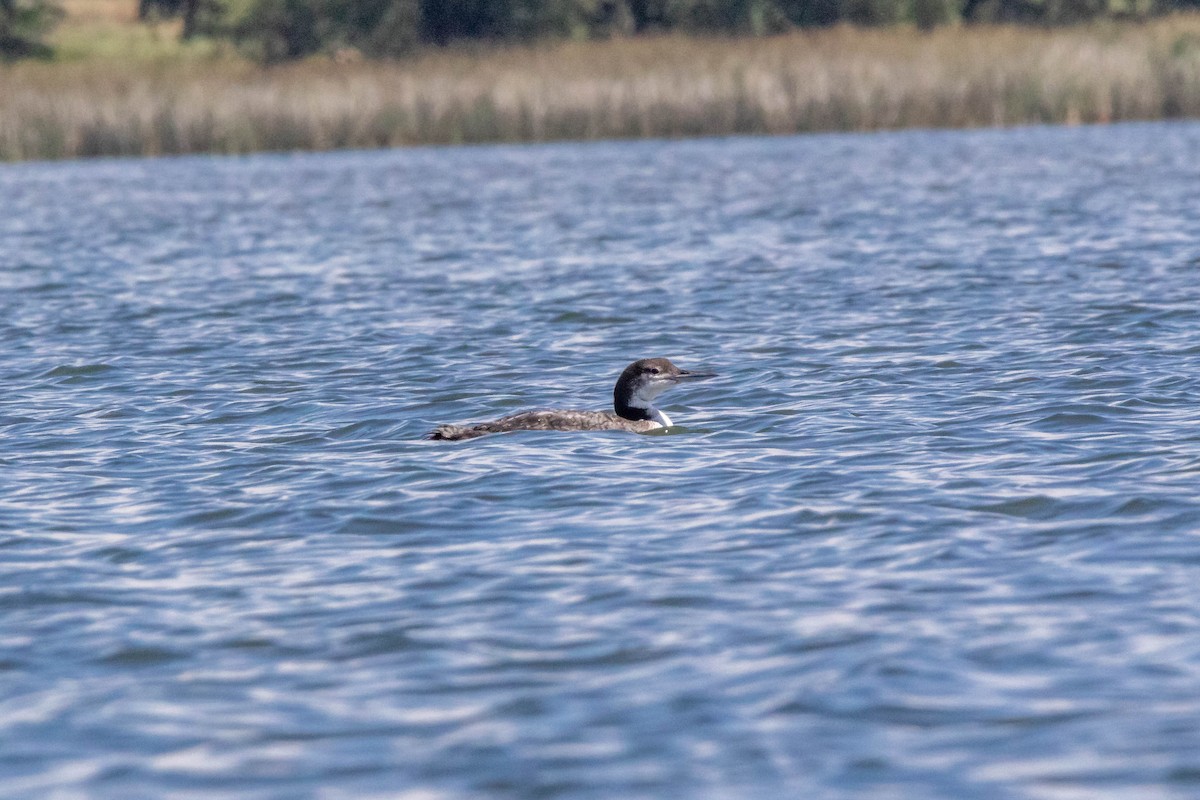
[670,87]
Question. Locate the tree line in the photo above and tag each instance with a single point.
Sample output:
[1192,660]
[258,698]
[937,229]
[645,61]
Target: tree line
[23,24]
[274,30]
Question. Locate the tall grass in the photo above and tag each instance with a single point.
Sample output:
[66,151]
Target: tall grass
[839,79]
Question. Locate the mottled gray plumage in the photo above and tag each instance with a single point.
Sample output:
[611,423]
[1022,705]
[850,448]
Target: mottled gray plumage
[633,398]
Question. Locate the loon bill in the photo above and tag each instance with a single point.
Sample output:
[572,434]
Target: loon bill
[633,402]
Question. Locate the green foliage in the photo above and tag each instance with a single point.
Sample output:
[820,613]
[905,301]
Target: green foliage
[929,14]
[726,16]
[874,12]
[806,13]
[23,24]
[443,21]
[159,8]
[275,30]
[280,29]
[1068,11]
[199,16]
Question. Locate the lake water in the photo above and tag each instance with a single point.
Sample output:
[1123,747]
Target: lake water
[934,532]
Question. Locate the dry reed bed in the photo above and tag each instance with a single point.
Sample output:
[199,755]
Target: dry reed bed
[840,79]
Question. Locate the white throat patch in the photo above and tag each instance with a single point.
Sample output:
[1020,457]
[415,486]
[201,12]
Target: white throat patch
[660,417]
[650,390]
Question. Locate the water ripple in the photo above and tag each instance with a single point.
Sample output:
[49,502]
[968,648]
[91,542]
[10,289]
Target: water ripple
[932,532]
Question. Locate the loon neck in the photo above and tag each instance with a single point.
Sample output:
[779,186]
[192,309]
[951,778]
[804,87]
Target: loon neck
[630,410]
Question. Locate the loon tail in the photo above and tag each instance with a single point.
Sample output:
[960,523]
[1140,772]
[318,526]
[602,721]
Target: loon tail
[454,433]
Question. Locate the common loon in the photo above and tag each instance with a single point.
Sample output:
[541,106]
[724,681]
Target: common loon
[633,400]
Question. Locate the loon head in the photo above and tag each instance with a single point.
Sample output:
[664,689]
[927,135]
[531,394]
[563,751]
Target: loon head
[642,381]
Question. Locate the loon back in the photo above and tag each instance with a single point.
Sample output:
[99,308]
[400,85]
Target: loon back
[546,421]
[633,397]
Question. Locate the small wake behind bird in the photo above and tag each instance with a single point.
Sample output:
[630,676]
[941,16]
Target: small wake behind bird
[633,404]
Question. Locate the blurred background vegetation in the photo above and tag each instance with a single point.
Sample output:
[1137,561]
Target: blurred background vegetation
[85,78]
[279,30]
[282,29]
[23,24]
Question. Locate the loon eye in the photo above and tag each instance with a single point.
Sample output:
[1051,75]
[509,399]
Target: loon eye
[654,370]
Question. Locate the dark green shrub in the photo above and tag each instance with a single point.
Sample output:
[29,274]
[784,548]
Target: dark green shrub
[23,24]
[929,14]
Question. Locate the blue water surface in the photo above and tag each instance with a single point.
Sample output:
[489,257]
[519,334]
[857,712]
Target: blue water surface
[933,533]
